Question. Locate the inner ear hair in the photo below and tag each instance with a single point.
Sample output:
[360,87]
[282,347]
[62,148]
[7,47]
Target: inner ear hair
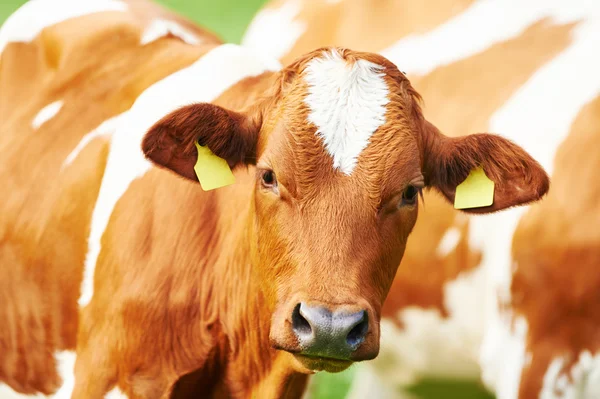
[447,161]
[456,157]
[228,134]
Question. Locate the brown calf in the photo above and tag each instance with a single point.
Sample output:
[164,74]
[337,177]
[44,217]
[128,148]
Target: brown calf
[244,290]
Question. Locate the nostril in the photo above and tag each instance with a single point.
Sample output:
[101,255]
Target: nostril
[300,325]
[357,334]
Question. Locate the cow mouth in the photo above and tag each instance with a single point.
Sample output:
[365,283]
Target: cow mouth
[314,364]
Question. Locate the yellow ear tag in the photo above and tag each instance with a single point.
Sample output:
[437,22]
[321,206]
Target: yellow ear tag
[476,191]
[212,171]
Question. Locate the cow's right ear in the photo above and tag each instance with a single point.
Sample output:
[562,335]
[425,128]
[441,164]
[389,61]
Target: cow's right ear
[230,135]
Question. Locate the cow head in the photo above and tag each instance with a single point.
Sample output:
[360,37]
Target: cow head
[341,153]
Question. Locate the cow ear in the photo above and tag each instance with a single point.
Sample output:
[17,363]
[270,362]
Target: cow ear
[518,178]
[171,142]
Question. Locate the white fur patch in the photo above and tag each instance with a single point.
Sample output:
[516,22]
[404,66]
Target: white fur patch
[7,392]
[106,128]
[203,81]
[35,15]
[368,384]
[46,113]
[65,363]
[115,393]
[503,355]
[483,24]
[448,242]
[274,31]
[538,117]
[161,27]
[430,345]
[582,381]
[347,103]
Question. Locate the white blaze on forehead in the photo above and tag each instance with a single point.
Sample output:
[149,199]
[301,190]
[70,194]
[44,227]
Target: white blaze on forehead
[46,113]
[161,27]
[347,103]
[581,381]
[274,31]
[480,26]
[203,81]
[35,15]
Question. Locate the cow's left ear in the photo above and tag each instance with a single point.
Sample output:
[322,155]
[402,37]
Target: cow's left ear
[230,135]
[447,161]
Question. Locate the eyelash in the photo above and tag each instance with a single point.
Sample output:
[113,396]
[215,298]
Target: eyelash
[410,195]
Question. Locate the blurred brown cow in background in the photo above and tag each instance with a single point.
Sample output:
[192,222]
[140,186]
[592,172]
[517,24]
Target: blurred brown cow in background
[513,298]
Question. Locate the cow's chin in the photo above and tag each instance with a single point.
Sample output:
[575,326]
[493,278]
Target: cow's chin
[311,365]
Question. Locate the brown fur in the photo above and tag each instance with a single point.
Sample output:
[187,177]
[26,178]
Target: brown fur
[556,300]
[556,281]
[319,221]
[345,23]
[193,289]
[45,214]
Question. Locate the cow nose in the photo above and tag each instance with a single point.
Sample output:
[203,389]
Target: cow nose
[324,333]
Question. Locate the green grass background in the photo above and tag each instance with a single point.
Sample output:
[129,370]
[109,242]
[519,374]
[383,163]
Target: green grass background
[229,19]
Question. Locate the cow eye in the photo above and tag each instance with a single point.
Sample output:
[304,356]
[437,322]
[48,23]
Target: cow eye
[410,196]
[268,179]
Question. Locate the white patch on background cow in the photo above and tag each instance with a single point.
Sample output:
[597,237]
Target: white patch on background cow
[7,392]
[162,27]
[203,81]
[502,341]
[480,26]
[65,362]
[274,31]
[347,103]
[582,381]
[366,383]
[430,345]
[28,21]
[448,242]
[106,128]
[115,393]
[46,113]
[526,119]
[538,117]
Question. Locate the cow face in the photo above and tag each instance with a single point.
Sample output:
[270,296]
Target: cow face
[341,153]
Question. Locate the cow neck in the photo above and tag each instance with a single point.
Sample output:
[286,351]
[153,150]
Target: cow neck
[251,366]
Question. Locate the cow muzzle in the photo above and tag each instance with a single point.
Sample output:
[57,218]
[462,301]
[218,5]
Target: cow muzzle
[326,337]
